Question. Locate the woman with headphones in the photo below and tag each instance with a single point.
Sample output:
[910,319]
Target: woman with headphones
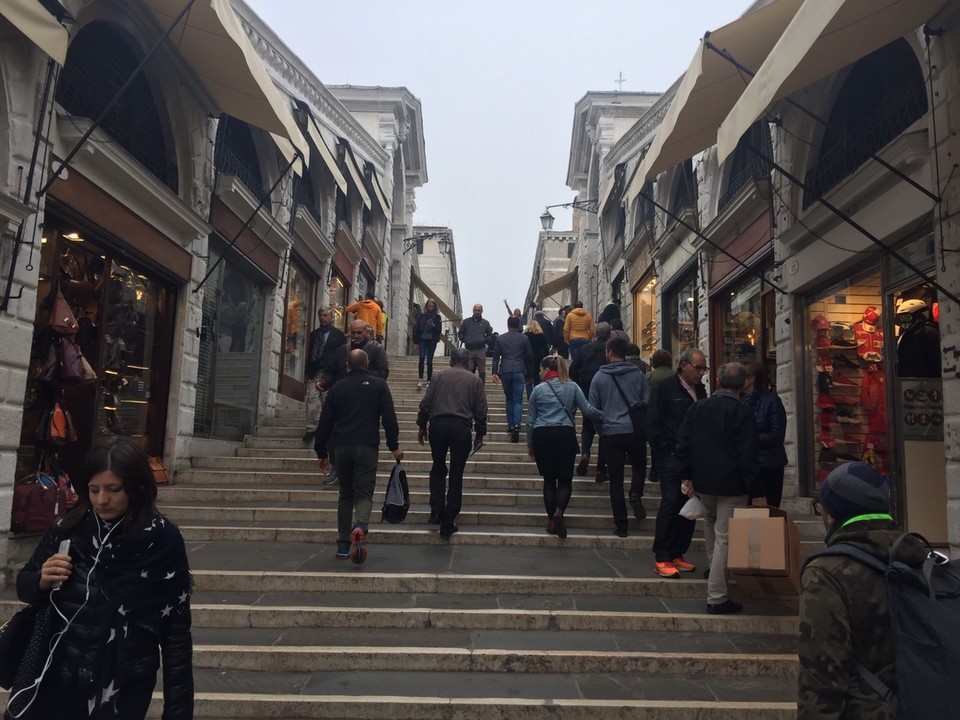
[115,576]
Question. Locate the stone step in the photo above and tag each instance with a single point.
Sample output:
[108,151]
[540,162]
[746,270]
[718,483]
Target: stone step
[307,697]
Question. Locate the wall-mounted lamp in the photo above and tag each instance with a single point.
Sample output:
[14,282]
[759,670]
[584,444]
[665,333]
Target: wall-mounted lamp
[445,243]
[591,206]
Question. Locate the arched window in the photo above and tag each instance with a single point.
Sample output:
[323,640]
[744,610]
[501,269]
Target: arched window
[303,194]
[685,191]
[237,155]
[99,62]
[883,95]
[745,166]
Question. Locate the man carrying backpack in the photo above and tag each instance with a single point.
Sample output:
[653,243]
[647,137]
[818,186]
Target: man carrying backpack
[844,613]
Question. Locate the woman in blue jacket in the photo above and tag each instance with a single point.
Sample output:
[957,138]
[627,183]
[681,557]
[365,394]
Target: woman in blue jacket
[428,335]
[771,420]
[552,438]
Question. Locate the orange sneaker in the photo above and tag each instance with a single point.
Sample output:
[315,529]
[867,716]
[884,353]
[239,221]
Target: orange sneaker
[665,569]
[682,565]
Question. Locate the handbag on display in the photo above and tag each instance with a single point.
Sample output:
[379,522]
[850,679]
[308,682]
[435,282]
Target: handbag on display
[62,319]
[49,371]
[74,367]
[39,501]
[56,427]
[160,473]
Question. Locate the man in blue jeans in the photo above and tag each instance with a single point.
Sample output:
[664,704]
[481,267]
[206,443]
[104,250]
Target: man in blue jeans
[512,365]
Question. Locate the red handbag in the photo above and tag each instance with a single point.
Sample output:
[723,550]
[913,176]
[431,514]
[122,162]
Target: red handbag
[38,502]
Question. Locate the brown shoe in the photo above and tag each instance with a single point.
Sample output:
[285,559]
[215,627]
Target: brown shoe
[551,528]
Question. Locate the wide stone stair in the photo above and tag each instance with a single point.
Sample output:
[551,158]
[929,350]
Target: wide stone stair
[502,621]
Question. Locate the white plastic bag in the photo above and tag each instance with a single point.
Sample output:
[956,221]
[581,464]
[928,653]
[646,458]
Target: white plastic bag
[693,508]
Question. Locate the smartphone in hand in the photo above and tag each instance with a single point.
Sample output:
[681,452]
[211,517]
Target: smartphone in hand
[64,549]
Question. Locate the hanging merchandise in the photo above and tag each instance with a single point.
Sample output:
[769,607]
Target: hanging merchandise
[62,319]
[822,327]
[869,336]
[918,347]
[74,367]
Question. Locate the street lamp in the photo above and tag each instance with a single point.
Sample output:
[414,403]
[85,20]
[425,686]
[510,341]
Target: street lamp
[444,243]
[591,206]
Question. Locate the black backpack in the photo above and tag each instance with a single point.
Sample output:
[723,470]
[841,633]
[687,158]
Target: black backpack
[924,607]
[396,501]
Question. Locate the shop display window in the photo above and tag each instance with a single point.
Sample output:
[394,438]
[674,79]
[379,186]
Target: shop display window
[683,321]
[741,330]
[644,316]
[848,376]
[296,328]
[337,299]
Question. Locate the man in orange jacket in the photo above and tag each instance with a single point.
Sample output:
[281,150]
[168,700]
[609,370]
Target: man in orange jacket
[369,311]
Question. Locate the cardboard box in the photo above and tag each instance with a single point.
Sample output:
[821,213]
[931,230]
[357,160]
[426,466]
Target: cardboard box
[764,551]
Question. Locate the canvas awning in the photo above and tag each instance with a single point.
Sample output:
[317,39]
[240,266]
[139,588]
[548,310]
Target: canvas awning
[445,309]
[325,154]
[556,285]
[33,20]
[711,86]
[825,35]
[353,171]
[376,189]
[213,43]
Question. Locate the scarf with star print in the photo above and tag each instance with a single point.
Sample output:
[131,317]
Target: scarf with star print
[145,578]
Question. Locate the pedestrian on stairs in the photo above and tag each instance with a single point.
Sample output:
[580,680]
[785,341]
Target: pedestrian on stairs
[355,408]
[428,335]
[512,365]
[323,344]
[475,334]
[455,403]
[552,436]
[584,366]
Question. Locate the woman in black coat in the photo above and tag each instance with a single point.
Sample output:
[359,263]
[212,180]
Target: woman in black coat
[428,335]
[115,602]
[771,420]
[541,348]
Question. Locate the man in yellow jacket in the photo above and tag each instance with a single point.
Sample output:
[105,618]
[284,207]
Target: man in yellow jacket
[578,329]
[369,311]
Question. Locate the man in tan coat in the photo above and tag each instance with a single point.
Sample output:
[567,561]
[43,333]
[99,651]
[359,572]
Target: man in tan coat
[578,329]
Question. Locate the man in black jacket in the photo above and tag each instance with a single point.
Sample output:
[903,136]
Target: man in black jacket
[322,346]
[475,333]
[717,452]
[351,418]
[377,358]
[584,366]
[669,401]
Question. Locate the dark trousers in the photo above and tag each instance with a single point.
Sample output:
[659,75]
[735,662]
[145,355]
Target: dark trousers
[772,478]
[674,532]
[586,443]
[619,449]
[427,348]
[555,449]
[453,435]
[357,470]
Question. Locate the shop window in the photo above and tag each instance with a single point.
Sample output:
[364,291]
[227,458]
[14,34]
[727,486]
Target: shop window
[237,155]
[337,299]
[685,188]
[99,61]
[296,326]
[343,210]
[742,325]
[683,316]
[746,166]
[883,95]
[644,316]
[847,376]
[645,210]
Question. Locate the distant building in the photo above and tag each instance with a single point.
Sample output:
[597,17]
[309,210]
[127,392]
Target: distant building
[434,274]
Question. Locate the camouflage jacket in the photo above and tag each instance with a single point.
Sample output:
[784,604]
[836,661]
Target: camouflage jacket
[844,619]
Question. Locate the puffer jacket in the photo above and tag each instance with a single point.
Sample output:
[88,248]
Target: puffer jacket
[78,654]
[369,312]
[578,324]
[771,419]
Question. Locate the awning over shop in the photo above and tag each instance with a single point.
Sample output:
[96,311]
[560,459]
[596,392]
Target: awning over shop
[614,187]
[33,20]
[213,43]
[445,309]
[824,36]
[376,189]
[354,171]
[325,154]
[556,285]
[711,86]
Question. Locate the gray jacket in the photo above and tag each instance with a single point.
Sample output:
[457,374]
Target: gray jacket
[512,354]
[604,395]
[474,333]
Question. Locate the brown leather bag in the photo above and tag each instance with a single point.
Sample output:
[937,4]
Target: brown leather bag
[74,367]
[160,473]
[62,319]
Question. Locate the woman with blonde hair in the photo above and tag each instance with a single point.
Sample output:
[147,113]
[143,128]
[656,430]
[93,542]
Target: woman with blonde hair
[552,436]
[541,348]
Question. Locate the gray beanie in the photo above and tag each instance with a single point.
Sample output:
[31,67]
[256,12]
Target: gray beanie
[855,489]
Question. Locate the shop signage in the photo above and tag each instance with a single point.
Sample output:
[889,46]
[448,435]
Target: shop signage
[922,400]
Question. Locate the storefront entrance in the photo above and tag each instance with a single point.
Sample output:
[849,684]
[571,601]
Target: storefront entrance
[298,321]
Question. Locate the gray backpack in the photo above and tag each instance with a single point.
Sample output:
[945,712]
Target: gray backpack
[924,607]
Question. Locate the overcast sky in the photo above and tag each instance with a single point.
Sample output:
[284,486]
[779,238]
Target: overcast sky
[498,82]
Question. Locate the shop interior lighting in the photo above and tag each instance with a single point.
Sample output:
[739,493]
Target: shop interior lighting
[73,237]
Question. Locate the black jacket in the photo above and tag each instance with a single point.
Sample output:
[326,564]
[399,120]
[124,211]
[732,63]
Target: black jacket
[540,347]
[334,340]
[717,447]
[669,403]
[78,654]
[588,361]
[771,419]
[338,365]
[431,334]
[352,414]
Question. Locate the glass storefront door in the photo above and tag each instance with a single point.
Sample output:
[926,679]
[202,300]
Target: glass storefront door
[337,299]
[231,338]
[682,316]
[644,316]
[297,321]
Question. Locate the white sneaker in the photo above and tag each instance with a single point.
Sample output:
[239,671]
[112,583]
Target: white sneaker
[427,384]
[419,384]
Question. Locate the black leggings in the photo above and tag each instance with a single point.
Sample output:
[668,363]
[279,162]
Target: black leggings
[555,448]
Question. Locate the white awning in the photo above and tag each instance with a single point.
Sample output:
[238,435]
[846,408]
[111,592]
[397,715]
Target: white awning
[214,44]
[325,154]
[445,309]
[33,20]
[557,285]
[710,88]
[825,36]
[354,171]
[377,190]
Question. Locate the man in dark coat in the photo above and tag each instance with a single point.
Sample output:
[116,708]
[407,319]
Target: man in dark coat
[669,401]
[717,453]
[377,359]
[584,366]
[322,345]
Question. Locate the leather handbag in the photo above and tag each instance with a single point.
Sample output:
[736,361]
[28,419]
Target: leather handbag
[14,638]
[38,502]
[49,371]
[59,426]
[160,473]
[62,319]
[74,368]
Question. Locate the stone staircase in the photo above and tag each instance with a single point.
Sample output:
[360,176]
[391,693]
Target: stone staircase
[503,621]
